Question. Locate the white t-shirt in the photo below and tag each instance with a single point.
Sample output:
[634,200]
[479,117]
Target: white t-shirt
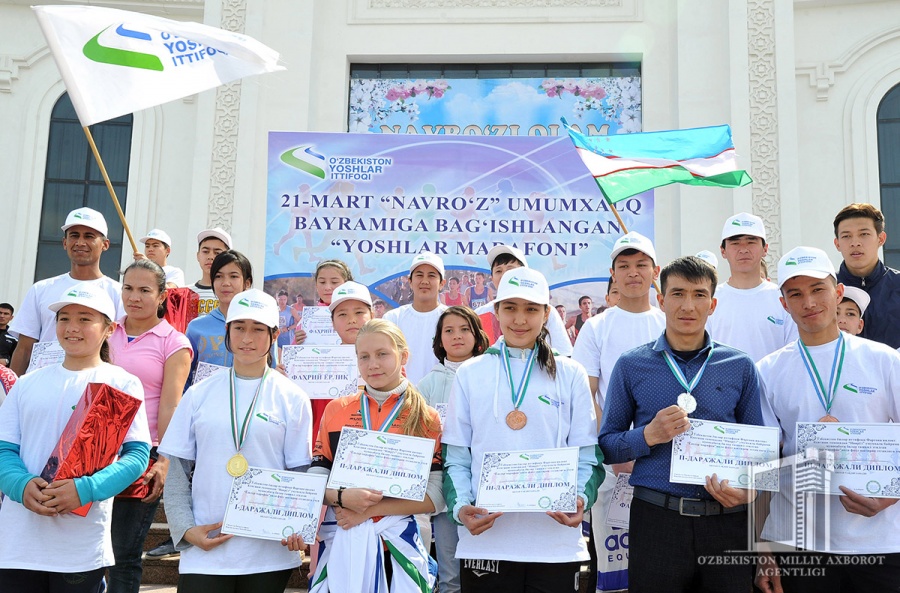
[476,418]
[34,416]
[174,275]
[418,328]
[280,437]
[559,337]
[789,397]
[603,338]
[35,320]
[751,319]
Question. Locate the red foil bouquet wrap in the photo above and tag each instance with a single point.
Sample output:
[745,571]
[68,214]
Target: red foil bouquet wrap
[93,436]
[182,307]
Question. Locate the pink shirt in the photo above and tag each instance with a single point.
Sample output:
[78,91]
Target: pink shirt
[145,357]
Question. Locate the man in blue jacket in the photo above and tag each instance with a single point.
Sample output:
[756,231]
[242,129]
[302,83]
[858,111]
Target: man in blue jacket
[858,233]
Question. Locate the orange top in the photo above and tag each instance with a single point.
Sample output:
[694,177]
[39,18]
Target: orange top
[344,411]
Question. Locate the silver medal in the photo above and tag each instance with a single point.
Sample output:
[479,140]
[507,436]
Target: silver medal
[687,402]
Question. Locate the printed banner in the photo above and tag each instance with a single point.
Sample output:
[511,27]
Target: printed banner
[376,200]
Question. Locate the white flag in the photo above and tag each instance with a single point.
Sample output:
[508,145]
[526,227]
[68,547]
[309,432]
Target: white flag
[116,62]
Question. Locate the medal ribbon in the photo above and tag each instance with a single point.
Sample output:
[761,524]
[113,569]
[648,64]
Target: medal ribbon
[367,416]
[518,395]
[679,376]
[239,438]
[837,365]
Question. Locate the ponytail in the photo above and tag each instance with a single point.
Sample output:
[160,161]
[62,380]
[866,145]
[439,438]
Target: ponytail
[419,421]
[545,358]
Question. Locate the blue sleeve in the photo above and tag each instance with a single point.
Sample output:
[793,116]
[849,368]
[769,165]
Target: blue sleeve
[618,441]
[590,473]
[117,476]
[457,479]
[13,474]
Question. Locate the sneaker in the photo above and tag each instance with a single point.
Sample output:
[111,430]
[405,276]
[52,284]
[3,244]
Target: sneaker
[164,550]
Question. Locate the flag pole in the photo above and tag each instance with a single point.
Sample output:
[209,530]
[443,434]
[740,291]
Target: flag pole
[109,187]
[623,227]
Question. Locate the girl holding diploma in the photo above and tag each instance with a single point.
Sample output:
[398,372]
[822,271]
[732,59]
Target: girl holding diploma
[458,338]
[266,424]
[329,275]
[43,548]
[538,402]
[360,521]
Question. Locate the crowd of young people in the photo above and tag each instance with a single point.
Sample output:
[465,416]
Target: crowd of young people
[736,351]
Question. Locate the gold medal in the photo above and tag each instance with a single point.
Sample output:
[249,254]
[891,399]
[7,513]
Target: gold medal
[516,420]
[237,466]
[828,418]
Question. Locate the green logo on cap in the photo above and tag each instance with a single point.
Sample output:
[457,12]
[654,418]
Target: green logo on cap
[244,302]
[514,281]
[791,262]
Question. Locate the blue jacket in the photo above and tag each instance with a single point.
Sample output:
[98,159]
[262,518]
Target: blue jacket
[882,316]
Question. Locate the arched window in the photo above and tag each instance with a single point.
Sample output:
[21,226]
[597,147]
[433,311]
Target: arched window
[73,180]
[888,119]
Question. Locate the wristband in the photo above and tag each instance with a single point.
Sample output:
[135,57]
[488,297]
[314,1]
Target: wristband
[339,502]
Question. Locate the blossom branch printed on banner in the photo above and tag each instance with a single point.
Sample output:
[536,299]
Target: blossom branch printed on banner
[374,101]
[617,98]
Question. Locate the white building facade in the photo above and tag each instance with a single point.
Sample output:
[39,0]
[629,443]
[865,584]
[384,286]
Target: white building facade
[800,82]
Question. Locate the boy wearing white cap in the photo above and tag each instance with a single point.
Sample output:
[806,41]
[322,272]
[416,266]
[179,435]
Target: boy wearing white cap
[418,319]
[827,375]
[518,397]
[749,316]
[632,322]
[211,242]
[851,309]
[157,247]
[502,258]
[84,239]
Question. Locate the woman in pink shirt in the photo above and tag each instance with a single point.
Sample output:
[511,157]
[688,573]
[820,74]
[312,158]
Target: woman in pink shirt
[144,344]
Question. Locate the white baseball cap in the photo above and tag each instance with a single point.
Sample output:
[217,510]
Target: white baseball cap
[744,224]
[158,235]
[633,240]
[86,217]
[858,296]
[804,261]
[709,257]
[426,257]
[88,294]
[254,305]
[216,233]
[350,291]
[523,283]
[497,250]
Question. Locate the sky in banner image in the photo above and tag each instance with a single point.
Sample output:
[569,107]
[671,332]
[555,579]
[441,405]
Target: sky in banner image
[454,167]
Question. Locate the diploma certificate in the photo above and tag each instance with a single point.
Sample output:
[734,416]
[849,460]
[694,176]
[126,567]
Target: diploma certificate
[395,464]
[619,511]
[728,450]
[316,322]
[324,372]
[44,354]
[529,481]
[273,504]
[206,370]
[862,457]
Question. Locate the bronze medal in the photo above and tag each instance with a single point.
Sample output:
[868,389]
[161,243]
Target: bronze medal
[828,418]
[237,466]
[516,420]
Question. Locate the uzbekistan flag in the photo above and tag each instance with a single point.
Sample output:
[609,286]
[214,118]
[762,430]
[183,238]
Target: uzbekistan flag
[628,164]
